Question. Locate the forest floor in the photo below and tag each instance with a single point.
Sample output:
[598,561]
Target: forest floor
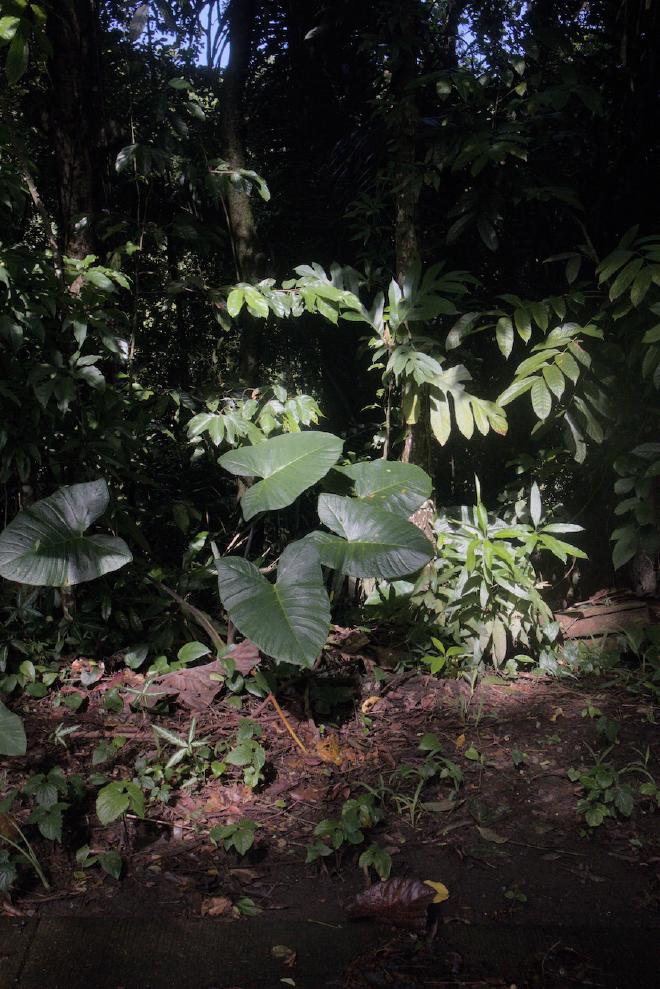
[566,903]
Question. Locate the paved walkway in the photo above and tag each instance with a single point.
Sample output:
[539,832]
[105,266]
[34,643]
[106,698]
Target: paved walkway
[119,953]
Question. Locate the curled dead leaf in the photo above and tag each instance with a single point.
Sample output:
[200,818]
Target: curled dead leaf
[404,903]
[369,704]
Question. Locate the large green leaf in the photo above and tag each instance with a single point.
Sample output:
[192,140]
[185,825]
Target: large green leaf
[46,545]
[369,541]
[288,464]
[288,620]
[395,487]
[12,733]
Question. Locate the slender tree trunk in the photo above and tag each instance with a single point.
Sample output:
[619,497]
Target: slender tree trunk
[75,114]
[407,66]
[248,256]
[417,438]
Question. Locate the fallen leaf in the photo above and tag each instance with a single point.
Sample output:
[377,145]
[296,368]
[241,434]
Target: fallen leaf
[369,704]
[402,902]
[349,640]
[329,750]
[192,687]
[216,906]
[441,891]
[86,671]
[489,835]
[440,806]
[245,875]
[460,742]
[558,712]
[245,656]
[284,954]
[311,794]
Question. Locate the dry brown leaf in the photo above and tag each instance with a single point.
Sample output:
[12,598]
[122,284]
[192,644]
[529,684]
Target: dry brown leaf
[369,704]
[402,902]
[329,750]
[245,656]
[310,794]
[192,687]
[349,640]
[216,906]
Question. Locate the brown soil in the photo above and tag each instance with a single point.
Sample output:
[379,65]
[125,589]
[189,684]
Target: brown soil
[511,848]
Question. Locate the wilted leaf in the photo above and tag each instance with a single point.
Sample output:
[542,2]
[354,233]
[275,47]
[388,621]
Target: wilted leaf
[402,902]
[192,687]
[441,891]
[245,657]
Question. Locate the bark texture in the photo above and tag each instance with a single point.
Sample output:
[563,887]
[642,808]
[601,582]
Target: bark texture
[247,253]
[74,115]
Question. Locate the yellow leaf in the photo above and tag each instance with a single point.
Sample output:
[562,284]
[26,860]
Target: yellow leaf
[369,703]
[441,891]
[329,750]
[557,713]
[460,742]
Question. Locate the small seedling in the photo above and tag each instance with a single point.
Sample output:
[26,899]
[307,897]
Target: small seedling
[377,858]
[116,798]
[110,861]
[12,835]
[238,837]
[515,893]
[357,814]
[605,796]
[187,747]
[60,734]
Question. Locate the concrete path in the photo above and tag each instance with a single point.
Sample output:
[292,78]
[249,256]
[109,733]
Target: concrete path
[118,953]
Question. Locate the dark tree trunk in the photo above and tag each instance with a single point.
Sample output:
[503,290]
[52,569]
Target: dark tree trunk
[407,66]
[75,116]
[417,440]
[248,256]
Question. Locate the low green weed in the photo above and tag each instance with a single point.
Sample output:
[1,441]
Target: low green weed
[238,837]
[357,815]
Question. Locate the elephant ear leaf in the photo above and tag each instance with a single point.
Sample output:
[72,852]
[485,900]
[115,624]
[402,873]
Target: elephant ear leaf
[287,464]
[12,733]
[369,541]
[395,487]
[46,544]
[288,620]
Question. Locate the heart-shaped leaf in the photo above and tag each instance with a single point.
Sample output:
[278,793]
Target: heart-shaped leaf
[369,541]
[395,487]
[288,620]
[288,464]
[45,545]
[12,733]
